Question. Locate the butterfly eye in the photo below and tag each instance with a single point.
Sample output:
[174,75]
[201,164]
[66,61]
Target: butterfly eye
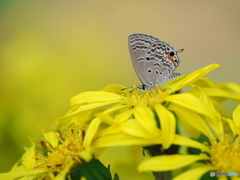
[171,55]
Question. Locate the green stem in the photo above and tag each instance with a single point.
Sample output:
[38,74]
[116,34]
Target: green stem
[157,150]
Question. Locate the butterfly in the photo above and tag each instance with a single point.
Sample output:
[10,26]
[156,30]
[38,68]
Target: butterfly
[153,60]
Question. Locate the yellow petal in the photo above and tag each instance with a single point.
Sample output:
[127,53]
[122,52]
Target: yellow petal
[186,80]
[194,174]
[108,119]
[231,123]
[62,175]
[191,132]
[182,140]
[114,88]
[190,102]
[95,97]
[193,119]
[27,178]
[169,162]
[67,120]
[121,139]
[86,155]
[21,171]
[90,106]
[86,110]
[52,138]
[91,131]
[229,87]
[113,129]
[203,96]
[215,92]
[133,128]
[236,116]
[145,117]
[168,125]
[216,123]
[120,118]
[29,158]
[205,82]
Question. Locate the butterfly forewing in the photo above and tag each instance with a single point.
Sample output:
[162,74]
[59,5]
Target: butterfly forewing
[138,45]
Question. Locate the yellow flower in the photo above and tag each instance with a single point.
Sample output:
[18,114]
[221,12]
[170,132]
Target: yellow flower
[117,117]
[221,153]
[29,159]
[141,130]
[113,95]
[218,93]
[115,106]
[56,155]
[158,122]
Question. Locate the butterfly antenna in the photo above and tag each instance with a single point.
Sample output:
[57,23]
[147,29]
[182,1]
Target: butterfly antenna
[180,50]
[134,88]
[125,88]
[129,88]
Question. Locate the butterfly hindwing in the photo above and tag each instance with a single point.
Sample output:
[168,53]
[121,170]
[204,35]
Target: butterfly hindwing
[158,66]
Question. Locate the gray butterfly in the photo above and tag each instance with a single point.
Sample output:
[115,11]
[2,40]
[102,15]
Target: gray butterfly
[154,60]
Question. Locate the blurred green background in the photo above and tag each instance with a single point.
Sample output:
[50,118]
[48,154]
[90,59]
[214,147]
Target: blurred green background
[53,50]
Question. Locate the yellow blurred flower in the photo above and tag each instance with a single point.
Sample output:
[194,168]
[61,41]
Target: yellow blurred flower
[220,154]
[54,157]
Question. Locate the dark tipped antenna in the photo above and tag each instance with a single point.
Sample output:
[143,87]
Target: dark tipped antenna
[180,50]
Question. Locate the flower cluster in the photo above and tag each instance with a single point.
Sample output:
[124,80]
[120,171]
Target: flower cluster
[183,135]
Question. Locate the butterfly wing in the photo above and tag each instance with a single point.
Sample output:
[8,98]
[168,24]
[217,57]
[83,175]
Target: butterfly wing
[161,61]
[138,46]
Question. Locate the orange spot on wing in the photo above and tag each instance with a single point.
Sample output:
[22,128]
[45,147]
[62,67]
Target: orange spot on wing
[169,56]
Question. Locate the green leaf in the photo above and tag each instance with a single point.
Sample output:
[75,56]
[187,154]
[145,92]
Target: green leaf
[116,177]
[93,170]
[207,176]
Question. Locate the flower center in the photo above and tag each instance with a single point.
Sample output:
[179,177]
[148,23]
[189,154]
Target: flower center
[225,157]
[148,97]
[66,152]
